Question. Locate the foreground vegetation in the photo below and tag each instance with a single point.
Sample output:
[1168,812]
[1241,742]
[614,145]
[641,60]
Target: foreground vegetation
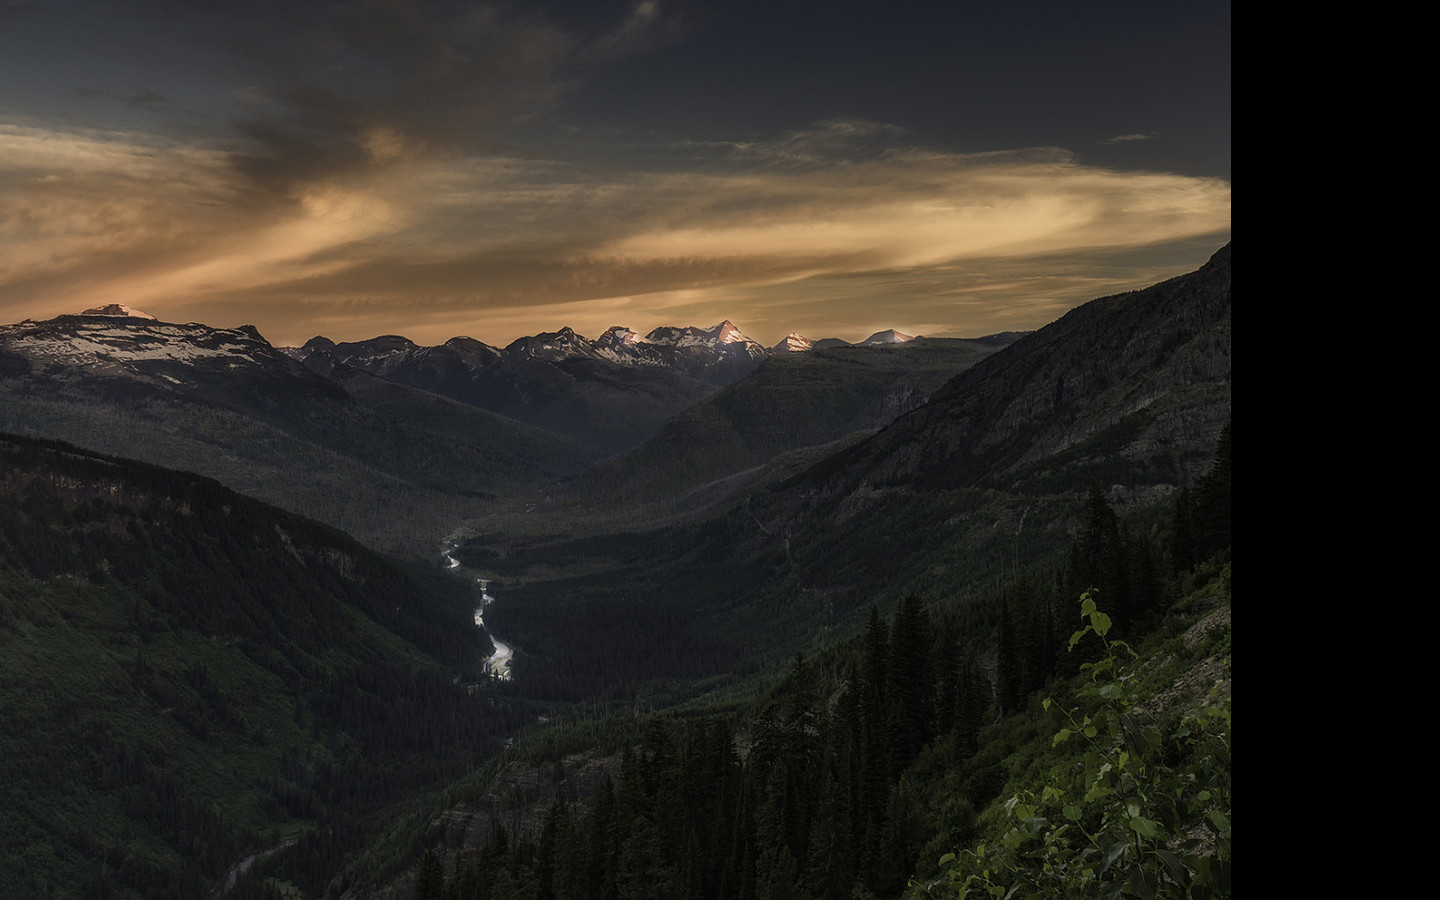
[920,758]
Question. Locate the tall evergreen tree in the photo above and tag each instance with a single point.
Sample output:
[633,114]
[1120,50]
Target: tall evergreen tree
[1099,559]
[911,684]
[1213,501]
[430,884]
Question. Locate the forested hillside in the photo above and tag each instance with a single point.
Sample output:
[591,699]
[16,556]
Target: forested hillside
[916,758]
[190,676]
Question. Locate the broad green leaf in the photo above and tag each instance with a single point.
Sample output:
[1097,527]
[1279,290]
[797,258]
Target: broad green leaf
[1117,850]
[1143,881]
[1061,737]
[1087,606]
[1097,791]
[1147,829]
[1221,821]
[1100,622]
[1173,864]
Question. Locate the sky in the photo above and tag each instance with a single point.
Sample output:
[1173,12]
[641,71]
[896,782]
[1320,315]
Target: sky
[437,168]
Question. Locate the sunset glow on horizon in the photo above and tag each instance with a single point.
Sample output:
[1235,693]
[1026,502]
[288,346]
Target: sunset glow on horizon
[437,169]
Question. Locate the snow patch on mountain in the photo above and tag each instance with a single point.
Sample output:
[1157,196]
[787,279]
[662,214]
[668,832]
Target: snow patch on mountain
[82,345]
[118,309]
[889,336]
[793,343]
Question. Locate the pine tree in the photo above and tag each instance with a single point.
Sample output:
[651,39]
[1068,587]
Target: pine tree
[911,684]
[1100,560]
[1213,501]
[430,884]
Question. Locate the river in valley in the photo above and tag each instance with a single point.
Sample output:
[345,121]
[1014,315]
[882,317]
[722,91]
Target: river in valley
[498,663]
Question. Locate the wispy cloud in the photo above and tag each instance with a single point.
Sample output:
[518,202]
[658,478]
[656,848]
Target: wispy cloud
[464,243]
[1129,138]
[367,182]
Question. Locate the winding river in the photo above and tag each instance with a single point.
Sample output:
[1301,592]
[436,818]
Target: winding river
[498,663]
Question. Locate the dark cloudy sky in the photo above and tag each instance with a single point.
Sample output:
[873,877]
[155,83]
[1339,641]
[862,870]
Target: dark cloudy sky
[436,168]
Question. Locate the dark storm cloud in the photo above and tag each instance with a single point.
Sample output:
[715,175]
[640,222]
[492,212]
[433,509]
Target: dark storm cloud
[353,85]
[146,100]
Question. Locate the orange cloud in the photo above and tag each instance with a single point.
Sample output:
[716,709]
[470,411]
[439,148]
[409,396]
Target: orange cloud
[839,224]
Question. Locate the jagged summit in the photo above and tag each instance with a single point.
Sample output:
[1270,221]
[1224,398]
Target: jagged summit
[561,344]
[618,336]
[794,342]
[727,333]
[118,310]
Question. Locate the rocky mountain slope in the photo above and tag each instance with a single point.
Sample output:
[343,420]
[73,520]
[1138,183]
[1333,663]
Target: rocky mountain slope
[390,464]
[1138,383]
[383,438]
[608,393]
[1130,392]
[794,400]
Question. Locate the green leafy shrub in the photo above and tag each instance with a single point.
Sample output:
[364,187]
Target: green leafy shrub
[1142,812]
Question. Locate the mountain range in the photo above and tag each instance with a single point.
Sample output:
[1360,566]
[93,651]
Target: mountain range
[436,431]
[609,393]
[666,521]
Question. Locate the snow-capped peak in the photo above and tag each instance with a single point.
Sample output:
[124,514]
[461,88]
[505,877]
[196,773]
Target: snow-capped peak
[726,333]
[119,310]
[618,335]
[793,343]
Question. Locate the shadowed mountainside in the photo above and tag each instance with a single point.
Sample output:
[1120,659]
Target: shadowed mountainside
[183,669]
